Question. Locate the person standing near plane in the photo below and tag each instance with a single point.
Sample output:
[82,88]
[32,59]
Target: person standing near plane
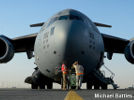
[64,76]
[79,74]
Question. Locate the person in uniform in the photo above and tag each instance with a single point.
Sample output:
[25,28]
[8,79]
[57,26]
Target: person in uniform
[64,76]
[79,74]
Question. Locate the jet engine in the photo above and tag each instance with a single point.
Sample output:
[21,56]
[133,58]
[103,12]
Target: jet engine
[6,49]
[129,52]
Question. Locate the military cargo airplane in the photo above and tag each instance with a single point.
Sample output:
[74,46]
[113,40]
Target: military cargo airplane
[67,36]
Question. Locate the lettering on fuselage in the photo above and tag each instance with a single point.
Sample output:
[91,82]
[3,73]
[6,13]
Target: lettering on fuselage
[91,41]
[45,40]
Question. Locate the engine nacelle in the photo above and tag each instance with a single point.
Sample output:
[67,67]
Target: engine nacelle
[129,52]
[6,49]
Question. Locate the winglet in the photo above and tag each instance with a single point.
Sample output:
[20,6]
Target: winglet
[37,24]
[102,25]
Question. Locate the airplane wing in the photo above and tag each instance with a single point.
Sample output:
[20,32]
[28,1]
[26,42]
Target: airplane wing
[24,43]
[114,44]
[20,44]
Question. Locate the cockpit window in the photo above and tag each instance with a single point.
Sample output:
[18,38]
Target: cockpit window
[65,17]
[71,17]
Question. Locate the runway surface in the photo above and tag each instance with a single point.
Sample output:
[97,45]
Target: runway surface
[29,94]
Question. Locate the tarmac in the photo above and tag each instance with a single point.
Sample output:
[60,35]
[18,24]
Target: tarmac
[56,94]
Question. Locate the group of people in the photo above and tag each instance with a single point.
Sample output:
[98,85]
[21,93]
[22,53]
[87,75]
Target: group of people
[79,71]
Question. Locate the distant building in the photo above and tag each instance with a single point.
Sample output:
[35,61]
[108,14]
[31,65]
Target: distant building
[132,87]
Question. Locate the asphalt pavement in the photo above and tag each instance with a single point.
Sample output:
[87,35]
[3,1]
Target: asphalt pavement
[29,94]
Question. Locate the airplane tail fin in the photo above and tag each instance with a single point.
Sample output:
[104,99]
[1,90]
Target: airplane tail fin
[37,24]
[102,25]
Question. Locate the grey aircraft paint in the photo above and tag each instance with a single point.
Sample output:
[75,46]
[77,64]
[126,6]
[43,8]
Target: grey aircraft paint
[67,36]
[72,36]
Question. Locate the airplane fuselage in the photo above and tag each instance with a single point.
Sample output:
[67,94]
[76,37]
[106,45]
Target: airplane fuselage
[68,36]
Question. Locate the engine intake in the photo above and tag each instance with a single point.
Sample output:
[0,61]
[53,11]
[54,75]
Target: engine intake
[6,49]
[129,52]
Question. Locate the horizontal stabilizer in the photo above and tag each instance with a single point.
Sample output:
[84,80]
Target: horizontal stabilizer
[101,25]
[37,24]
[96,23]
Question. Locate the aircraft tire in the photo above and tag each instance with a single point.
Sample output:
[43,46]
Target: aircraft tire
[42,86]
[34,86]
[50,85]
[89,85]
[104,86]
[96,86]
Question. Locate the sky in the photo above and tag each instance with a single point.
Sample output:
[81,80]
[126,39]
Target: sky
[17,15]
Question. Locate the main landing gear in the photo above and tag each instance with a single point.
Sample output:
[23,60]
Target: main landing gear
[42,86]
